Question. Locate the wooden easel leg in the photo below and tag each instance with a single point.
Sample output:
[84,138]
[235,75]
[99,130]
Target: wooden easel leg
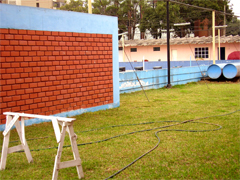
[4,151]
[59,153]
[73,138]
[24,144]
[5,145]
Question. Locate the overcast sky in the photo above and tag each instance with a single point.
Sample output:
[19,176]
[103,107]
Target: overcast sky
[236,7]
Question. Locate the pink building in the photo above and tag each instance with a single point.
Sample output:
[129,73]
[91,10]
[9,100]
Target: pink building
[181,49]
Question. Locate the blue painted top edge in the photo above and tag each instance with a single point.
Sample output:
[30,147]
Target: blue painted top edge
[12,16]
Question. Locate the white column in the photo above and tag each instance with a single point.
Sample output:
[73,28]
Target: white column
[213,36]
[89,6]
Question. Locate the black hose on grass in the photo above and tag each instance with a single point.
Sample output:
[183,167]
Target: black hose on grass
[113,137]
[171,125]
[113,126]
[219,127]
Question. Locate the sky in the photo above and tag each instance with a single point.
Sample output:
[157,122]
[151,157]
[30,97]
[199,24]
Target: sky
[236,7]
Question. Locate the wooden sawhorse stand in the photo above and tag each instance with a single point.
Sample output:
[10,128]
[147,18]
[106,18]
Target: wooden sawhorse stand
[67,125]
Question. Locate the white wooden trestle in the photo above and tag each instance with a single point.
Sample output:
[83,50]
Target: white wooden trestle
[67,125]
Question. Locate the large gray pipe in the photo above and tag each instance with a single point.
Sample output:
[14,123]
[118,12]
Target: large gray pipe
[231,71]
[215,70]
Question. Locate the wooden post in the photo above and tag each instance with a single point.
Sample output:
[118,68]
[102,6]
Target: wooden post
[56,129]
[5,145]
[23,146]
[23,130]
[123,47]
[23,141]
[89,7]
[73,138]
[59,153]
[77,161]
[219,58]
[213,36]
[224,21]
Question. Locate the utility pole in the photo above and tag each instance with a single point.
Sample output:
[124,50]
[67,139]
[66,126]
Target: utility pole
[213,36]
[129,21]
[168,47]
[123,45]
[89,6]
[219,34]
[224,21]
[219,46]
[141,16]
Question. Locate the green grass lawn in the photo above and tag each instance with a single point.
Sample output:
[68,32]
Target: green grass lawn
[180,154]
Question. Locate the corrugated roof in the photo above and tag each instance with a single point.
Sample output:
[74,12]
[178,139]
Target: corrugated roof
[173,41]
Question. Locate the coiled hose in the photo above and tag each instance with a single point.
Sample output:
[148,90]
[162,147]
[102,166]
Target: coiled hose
[156,134]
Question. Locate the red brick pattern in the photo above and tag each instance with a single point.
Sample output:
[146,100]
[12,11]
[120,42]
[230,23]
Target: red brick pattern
[44,72]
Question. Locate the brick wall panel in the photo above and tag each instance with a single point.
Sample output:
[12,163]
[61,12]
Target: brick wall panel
[45,72]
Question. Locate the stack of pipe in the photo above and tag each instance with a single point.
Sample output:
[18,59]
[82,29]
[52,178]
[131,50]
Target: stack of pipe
[229,71]
[215,70]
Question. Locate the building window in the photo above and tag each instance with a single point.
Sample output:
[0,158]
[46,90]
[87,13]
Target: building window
[37,4]
[120,48]
[201,52]
[133,49]
[156,48]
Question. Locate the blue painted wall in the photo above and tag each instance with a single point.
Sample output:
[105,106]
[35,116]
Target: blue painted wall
[30,18]
[153,79]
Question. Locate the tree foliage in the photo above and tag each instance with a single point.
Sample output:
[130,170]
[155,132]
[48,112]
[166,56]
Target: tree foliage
[155,18]
[151,14]
[100,6]
[75,5]
[233,27]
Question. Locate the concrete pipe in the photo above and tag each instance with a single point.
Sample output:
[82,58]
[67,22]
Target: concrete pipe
[231,71]
[215,70]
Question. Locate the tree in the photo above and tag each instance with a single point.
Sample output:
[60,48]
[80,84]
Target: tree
[115,9]
[76,5]
[151,15]
[128,15]
[192,14]
[100,6]
[154,18]
[233,27]
[150,21]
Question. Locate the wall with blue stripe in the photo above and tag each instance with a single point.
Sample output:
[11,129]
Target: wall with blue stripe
[154,79]
[150,64]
